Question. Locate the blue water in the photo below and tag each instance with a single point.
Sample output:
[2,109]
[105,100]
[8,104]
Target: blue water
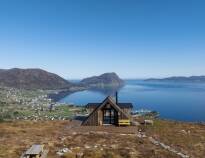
[176,101]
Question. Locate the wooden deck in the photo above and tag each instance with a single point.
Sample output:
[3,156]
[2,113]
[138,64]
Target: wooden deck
[75,126]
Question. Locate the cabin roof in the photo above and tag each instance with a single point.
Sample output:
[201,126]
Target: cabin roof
[101,105]
[121,105]
[34,150]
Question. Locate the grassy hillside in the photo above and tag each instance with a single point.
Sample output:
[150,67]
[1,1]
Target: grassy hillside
[103,142]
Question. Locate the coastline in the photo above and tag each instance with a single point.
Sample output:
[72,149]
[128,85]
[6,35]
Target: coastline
[56,95]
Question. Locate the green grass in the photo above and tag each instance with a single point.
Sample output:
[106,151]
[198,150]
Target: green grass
[13,111]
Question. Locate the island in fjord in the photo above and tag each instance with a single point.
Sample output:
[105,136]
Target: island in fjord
[191,79]
[104,80]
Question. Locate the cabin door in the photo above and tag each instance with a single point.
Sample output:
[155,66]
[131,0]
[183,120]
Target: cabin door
[110,116]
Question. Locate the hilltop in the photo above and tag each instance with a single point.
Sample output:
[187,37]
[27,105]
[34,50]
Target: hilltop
[195,79]
[32,79]
[104,80]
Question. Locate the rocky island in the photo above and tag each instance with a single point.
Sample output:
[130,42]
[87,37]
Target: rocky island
[104,80]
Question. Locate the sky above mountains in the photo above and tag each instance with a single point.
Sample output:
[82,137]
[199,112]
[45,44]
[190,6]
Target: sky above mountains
[80,38]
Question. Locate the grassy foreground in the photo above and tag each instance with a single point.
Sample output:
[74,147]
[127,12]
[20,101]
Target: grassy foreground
[17,136]
[188,138]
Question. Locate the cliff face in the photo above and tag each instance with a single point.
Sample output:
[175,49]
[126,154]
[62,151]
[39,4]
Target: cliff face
[104,80]
[32,79]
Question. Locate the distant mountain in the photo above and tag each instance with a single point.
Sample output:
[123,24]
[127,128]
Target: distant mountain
[1,70]
[32,79]
[195,79]
[104,80]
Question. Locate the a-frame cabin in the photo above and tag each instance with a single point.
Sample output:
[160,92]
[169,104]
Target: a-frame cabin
[109,112]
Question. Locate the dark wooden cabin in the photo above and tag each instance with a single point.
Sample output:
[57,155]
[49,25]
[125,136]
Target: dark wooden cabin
[109,112]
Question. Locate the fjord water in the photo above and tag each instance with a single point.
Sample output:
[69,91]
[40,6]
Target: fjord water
[176,101]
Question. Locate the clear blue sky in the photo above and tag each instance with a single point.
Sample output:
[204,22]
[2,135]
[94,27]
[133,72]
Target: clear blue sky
[80,38]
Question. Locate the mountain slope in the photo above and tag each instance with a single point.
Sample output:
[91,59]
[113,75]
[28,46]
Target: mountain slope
[104,80]
[1,70]
[32,79]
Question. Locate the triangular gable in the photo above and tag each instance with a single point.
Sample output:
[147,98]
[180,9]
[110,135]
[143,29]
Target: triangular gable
[116,106]
[111,102]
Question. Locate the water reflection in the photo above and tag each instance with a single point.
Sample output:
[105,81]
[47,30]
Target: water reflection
[108,91]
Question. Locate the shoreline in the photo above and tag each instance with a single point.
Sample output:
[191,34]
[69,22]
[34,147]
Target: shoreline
[57,95]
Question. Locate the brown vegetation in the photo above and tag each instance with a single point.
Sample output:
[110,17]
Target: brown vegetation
[97,142]
[188,138]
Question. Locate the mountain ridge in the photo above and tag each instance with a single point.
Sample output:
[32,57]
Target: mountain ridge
[32,79]
[195,79]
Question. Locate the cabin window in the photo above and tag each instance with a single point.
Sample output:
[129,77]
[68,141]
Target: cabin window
[109,116]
